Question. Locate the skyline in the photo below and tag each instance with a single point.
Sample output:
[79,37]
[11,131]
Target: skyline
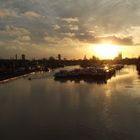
[40,28]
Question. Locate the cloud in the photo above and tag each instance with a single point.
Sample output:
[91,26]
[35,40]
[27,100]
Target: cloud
[24,38]
[70,20]
[31,14]
[70,35]
[135,32]
[73,27]
[14,33]
[86,21]
[56,27]
[105,39]
[51,40]
[115,40]
[12,30]
[7,13]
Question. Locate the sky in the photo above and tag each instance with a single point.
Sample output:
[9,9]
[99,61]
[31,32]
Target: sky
[44,28]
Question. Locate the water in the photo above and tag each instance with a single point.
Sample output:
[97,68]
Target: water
[45,109]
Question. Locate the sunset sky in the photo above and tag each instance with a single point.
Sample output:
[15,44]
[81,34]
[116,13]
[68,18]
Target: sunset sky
[73,28]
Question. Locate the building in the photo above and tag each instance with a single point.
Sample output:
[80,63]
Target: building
[59,56]
[16,57]
[23,56]
[119,57]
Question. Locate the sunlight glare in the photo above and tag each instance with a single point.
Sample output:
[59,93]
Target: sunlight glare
[106,51]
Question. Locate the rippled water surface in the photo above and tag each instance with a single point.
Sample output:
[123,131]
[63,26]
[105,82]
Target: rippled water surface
[45,109]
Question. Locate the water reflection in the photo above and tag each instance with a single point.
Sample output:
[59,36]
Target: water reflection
[48,109]
[78,80]
[138,69]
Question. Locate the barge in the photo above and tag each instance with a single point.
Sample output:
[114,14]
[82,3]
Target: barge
[90,72]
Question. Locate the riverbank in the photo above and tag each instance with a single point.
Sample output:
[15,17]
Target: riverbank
[12,75]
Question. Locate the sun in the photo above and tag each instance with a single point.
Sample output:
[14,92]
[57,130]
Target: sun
[106,51]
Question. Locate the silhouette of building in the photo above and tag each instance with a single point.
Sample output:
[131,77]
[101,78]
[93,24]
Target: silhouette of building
[119,57]
[51,58]
[23,56]
[85,57]
[59,56]
[16,56]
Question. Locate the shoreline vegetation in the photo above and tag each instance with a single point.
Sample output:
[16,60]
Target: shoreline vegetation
[10,69]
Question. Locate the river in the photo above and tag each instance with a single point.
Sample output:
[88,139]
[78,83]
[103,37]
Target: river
[45,109]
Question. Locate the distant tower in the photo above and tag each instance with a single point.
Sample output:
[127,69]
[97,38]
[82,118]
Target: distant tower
[59,56]
[85,57]
[16,56]
[23,56]
[120,56]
